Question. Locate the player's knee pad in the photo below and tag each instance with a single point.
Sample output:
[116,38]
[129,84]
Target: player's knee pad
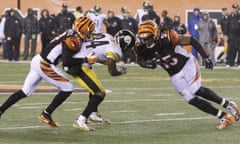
[187,95]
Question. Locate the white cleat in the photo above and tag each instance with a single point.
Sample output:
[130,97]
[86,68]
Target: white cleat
[81,124]
[95,118]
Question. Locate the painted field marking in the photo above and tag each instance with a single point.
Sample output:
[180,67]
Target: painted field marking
[169,114]
[73,109]
[163,120]
[29,107]
[117,123]
[124,111]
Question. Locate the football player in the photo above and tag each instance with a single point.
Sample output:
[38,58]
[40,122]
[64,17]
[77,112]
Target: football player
[43,67]
[107,52]
[97,17]
[143,11]
[163,47]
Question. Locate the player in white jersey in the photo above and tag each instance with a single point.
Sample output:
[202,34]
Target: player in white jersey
[108,52]
[143,11]
[98,18]
[43,67]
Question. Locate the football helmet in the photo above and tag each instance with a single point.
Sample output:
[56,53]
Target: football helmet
[148,33]
[126,39]
[84,26]
[146,4]
[97,8]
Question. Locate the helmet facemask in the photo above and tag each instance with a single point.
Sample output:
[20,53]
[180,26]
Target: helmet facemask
[148,41]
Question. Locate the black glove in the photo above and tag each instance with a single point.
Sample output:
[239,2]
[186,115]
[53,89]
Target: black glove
[208,63]
[151,64]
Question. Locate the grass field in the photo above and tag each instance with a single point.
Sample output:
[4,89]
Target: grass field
[142,105]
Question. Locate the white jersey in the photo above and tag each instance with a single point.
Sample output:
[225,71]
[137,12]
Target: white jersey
[98,19]
[103,48]
[140,13]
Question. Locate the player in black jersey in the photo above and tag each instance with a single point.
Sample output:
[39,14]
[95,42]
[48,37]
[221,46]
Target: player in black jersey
[163,47]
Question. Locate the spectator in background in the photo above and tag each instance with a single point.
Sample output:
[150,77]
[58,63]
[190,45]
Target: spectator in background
[151,15]
[64,19]
[208,36]
[2,35]
[233,28]
[98,18]
[78,12]
[30,30]
[129,23]
[223,37]
[179,27]
[224,21]
[113,23]
[47,27]
[193,28]
[166,21]
[13,32]
[143,11]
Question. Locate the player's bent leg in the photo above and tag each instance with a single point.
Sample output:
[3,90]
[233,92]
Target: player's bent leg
[225,119]
[95,117]
[45,117]
[12,100]
[229,105]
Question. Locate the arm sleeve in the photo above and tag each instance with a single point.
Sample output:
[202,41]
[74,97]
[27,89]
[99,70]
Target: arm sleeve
[198,47]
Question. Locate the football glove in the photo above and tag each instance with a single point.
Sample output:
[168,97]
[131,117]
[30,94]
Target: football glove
[151,63]
[122,70]
[208,63]
[91,58]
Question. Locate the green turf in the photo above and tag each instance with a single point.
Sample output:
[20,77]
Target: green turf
[143,107]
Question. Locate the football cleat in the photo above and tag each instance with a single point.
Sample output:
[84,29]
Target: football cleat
[47,119]
[81,124]
[233,109]
[227,120]
[95,118]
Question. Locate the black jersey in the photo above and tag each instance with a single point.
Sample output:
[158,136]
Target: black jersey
[57,48]
[165,51]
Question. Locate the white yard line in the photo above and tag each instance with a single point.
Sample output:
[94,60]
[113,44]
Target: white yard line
[163,120]
[169,114]
[124,111]
[117,123]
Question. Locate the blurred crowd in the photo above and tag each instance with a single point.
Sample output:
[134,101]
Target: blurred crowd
[200,25]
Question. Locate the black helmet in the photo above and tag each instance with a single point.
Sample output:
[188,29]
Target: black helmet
[126,39]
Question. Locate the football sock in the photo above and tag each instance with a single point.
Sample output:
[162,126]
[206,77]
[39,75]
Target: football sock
[204,106]
[58,100]
[12,100]
[92,105]
[220,114]
[209,95]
